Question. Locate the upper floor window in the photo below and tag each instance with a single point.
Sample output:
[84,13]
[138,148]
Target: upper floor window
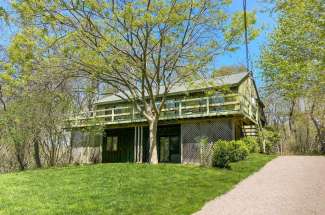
[218,98]
[170,103]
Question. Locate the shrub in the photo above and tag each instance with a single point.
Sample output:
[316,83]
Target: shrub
[225,152]
[271,138]
[221,154]
[239,150]
[252,144]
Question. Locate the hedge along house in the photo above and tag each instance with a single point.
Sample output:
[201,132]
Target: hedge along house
[189,115]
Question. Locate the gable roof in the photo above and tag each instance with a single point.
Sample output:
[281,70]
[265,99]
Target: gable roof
[232,79]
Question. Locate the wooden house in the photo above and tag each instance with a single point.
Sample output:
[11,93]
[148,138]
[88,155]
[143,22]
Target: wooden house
[190,114]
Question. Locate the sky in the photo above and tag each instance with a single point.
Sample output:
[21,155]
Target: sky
[265,20]
[235,58]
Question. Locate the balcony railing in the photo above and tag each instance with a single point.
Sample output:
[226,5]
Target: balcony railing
[173,109]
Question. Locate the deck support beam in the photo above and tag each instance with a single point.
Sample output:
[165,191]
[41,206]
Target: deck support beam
[138,144]
[208,106]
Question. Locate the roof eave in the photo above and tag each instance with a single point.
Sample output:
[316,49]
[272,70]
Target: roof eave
[183,92]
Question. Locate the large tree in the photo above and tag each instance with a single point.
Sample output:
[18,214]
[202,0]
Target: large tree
[141,48]
[293,62]
[37,95]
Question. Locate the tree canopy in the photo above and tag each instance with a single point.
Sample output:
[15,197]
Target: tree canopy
[142,49]
[294,67]
[293,61]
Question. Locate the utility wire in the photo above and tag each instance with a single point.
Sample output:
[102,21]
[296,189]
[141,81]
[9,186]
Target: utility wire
[246,38]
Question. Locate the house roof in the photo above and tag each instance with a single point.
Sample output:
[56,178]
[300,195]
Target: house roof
[232,79]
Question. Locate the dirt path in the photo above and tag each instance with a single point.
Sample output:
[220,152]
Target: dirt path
[288,185]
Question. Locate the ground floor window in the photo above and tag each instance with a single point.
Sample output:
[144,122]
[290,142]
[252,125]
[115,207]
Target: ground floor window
[112,142]
[169,149]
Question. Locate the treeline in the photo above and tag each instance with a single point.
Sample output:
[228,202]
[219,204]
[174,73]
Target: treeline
[34,122]
[63,49]
[294,75]
[39,92]
[141,49]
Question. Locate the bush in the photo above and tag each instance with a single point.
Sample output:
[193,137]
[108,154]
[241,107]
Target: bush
[221,154]
[239,150]
[252,144]
[225,152]
[271,138]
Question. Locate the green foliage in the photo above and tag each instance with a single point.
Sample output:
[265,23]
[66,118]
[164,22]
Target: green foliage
[293,60]
[221,154]
[225,152]
[239,151]
[120,188]
[293,70]
[252,144]
[135,47]
[37,96]
[4,15]
[151,38]
[271,138]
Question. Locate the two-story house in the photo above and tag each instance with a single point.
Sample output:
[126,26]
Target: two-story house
[189,115]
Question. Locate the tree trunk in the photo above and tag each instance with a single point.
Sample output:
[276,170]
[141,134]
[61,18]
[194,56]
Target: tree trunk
[71,149]
[153,153]
[37,156]
[292,105]
[52,157]
[21,163]
[291,121]
[20,159]
[322,142]
[320,137]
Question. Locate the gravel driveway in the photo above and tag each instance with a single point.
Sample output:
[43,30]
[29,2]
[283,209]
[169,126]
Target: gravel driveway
[287,185]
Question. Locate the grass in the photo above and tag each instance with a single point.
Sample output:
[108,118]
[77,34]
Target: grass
[120,188]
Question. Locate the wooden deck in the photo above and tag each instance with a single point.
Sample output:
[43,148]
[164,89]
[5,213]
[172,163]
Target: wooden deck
[209,106]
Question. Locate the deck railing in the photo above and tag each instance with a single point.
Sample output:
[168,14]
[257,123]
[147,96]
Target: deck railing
[173,109]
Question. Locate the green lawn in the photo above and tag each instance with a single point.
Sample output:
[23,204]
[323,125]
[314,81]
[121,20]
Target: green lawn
[120,188]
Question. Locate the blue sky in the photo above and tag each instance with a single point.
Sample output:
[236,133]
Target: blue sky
[235,58]
[5,31]
[263,19]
